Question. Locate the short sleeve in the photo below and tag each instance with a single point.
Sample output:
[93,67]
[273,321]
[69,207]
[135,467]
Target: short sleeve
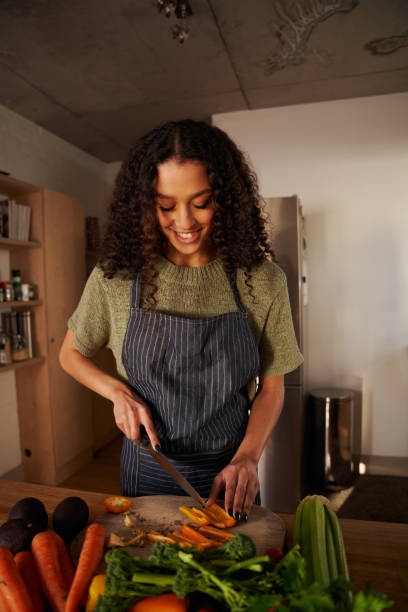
[279,351]
[90,321]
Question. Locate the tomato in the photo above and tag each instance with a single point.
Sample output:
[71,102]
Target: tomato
[166,602]
[275,553]
[117,504]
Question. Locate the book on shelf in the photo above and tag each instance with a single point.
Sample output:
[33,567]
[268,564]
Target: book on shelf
[15,219]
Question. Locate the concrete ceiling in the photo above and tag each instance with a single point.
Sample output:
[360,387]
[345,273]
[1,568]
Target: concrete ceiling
[99,73]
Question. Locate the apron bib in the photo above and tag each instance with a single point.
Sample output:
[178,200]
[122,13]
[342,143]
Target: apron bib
[193,374]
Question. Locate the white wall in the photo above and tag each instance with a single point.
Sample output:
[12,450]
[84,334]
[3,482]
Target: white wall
[348,162]
[30,153]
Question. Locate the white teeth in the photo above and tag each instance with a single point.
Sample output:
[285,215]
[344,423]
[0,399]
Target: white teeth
[185,235]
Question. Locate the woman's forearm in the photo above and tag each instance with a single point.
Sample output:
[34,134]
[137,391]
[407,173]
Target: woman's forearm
[265,411]
[130,410]
[85,370]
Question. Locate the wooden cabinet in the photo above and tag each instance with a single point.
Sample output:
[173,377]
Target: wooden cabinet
[54,411]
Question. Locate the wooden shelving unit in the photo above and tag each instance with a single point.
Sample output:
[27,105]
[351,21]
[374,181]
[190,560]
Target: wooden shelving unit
[26,363]
[54,411]
[11,243]
[29,304]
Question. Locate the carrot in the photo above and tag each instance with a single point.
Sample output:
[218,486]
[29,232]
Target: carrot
[26,566]
[199,541]
[222,534]
[45,553]
[89,559]
[180,539]
[12,588]
[65,560]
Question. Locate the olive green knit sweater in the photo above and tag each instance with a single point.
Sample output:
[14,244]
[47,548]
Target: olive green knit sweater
[197,292]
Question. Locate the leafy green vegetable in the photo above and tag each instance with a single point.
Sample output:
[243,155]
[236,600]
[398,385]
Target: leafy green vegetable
[120,591]
[371,601]
[241,547]
[225,575]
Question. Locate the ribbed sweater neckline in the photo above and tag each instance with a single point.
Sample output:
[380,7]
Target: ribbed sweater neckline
[189,275]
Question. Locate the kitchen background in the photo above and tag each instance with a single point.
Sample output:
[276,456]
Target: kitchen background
[331,126]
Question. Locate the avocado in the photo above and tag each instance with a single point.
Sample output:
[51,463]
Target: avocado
[32,510]
[16,534]
[70,516]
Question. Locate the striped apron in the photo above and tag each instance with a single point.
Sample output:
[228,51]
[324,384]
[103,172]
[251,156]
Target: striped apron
[193,374]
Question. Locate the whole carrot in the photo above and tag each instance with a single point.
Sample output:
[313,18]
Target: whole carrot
[89,559]
[45,553]
[25,565]
[12,588]
[65,560]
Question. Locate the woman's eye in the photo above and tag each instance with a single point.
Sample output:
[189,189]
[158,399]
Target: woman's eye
[203,205]
[166,209]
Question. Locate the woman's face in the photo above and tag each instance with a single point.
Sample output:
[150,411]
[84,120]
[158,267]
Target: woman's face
[185,211]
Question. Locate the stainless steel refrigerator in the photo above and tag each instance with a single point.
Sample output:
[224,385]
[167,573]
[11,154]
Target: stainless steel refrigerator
[281,465]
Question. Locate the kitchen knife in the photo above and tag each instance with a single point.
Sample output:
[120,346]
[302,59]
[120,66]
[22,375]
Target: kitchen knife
[174,474]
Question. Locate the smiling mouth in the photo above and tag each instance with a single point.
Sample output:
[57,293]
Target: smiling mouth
[187,236]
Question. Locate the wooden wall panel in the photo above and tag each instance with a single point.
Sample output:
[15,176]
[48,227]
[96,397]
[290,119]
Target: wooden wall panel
[64,242]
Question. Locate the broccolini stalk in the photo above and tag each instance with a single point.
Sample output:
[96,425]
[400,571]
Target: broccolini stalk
[237,600]
[254,564]
[159,579]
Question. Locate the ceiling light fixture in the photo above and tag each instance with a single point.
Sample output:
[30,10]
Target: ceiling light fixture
[181,10]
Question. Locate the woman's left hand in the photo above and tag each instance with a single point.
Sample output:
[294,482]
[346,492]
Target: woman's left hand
[240,481]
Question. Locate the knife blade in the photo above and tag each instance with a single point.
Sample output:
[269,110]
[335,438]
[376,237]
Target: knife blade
[174,474]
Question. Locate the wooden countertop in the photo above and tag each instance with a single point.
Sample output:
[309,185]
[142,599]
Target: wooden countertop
[376,552]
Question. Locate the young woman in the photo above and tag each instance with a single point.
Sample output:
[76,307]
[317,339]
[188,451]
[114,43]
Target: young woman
[194,312]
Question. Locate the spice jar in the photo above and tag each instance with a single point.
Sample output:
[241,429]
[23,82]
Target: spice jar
[3,356]
[19,349]
[5,338]
[16,283]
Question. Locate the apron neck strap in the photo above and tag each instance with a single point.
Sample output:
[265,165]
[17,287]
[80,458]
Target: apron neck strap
[136,291]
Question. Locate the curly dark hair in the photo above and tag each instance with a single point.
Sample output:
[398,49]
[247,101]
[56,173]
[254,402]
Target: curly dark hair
[133,242]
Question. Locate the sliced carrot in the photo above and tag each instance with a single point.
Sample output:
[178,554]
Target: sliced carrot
[155,536]
[195,515]
[222,534]
[65,560]
[193,535]
[198,538]
[180,539]
[12,588]
[89,559]
[46,559]
[26,567]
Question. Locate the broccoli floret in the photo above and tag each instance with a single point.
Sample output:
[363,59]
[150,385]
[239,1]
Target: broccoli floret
[121,590]
[241,547]
[166,555]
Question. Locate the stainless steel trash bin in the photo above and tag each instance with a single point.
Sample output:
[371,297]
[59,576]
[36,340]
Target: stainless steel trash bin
[331,414]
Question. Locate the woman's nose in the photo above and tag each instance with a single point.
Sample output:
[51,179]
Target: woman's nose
[184,217]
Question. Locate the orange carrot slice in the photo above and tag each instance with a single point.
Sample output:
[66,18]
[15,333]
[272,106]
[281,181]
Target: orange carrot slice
[214,532]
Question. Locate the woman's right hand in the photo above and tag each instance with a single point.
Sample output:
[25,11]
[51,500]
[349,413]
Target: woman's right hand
[129,409]
[130,413]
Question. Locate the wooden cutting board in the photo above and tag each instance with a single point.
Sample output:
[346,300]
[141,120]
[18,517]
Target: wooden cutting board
[161,513]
